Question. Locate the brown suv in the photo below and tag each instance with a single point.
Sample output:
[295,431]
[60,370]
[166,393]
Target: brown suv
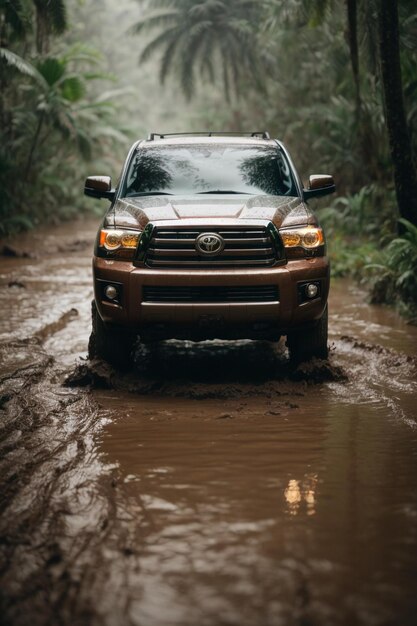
[209,236]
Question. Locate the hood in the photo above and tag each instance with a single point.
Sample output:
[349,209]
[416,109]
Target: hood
[137,212]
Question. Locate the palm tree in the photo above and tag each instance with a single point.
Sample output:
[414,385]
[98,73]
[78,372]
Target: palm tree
[58,91]
[44,133]
[61,109]
[208,37]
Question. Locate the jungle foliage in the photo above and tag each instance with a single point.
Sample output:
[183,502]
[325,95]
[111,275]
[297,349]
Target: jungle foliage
[52,120]
[337,81]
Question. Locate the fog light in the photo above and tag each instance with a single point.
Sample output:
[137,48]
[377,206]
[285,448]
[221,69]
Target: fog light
[312,290]
[110,292]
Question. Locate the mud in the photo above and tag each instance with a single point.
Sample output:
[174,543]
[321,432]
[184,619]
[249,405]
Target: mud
[210,370]
[211,485]
[49,480]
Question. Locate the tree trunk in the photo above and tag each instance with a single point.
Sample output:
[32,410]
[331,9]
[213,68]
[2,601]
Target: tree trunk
[33,146]
[405,174]
[351,6]
[42,34]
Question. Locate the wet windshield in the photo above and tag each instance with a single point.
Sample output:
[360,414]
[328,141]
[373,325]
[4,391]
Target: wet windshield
[185,170]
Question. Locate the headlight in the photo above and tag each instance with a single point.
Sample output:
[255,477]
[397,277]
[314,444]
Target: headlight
[122,242]
[114,239]
[308,237]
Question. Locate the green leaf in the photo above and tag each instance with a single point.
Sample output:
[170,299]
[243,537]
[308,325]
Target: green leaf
[72,89]
[52,70]
[21,65]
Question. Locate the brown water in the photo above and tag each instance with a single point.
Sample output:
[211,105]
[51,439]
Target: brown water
[212,486]
[285,504]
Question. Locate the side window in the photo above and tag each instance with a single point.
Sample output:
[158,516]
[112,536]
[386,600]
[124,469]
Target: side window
[132,173]
[285,173]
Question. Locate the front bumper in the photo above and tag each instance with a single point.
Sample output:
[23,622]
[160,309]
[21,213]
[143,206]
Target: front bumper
[211,319]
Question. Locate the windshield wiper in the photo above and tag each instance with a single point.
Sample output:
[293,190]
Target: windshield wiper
[149,193]
[166,193]
[243,193]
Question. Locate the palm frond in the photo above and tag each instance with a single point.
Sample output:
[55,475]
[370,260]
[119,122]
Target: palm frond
[161,40]
[168,59]
[154,20]
[22,66]
[111,133]
[411,230]
[110,94]
[207,8]
[84,143]
[199,28]
[100,76]
[81,52]
[207,61]
[191,56]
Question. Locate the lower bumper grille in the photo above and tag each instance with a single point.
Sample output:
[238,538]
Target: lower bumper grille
[258,293]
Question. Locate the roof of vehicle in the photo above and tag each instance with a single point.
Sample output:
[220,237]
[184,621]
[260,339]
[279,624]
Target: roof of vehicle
[258,139]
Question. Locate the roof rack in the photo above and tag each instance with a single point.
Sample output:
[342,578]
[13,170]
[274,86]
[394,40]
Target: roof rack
[262,134]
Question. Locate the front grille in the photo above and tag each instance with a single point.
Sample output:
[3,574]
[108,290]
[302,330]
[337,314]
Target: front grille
[244,247]
[258,293]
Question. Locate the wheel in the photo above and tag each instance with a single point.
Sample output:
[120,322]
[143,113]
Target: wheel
[306,344]
[107,343]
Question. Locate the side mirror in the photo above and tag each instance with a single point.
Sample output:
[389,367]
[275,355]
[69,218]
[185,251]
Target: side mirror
[99,187]
[319,185]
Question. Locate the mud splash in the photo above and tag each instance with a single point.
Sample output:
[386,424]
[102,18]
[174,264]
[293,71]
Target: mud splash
[213,369]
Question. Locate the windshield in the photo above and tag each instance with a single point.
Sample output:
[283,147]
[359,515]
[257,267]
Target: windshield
[216,168]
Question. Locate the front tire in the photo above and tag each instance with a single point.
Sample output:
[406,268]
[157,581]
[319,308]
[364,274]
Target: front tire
[309,343]
[107,343]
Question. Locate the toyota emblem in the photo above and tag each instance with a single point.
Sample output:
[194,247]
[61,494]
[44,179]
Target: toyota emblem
[209,244]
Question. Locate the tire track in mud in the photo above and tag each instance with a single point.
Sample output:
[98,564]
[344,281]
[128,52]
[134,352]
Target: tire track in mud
[57,497]
[380,375]
[50,329]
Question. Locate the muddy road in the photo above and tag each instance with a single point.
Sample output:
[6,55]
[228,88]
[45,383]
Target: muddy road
[212,486]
